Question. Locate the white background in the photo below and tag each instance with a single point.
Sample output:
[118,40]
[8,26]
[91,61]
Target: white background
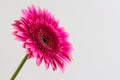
[94,27]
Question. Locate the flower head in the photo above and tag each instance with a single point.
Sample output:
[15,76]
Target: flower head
[43,38]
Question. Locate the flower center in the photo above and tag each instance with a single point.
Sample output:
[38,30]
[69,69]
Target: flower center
[45,40]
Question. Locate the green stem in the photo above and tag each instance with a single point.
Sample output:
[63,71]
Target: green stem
[19,67]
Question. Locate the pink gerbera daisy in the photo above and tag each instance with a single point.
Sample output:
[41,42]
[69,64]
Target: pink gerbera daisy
[43,38]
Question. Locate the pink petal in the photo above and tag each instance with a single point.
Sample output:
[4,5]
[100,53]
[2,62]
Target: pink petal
[38,61]
[29,40]
[29,52]
[53,64]
[20,38]
[29,45]
[47,63]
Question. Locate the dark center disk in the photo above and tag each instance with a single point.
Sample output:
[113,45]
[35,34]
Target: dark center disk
[45,40]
